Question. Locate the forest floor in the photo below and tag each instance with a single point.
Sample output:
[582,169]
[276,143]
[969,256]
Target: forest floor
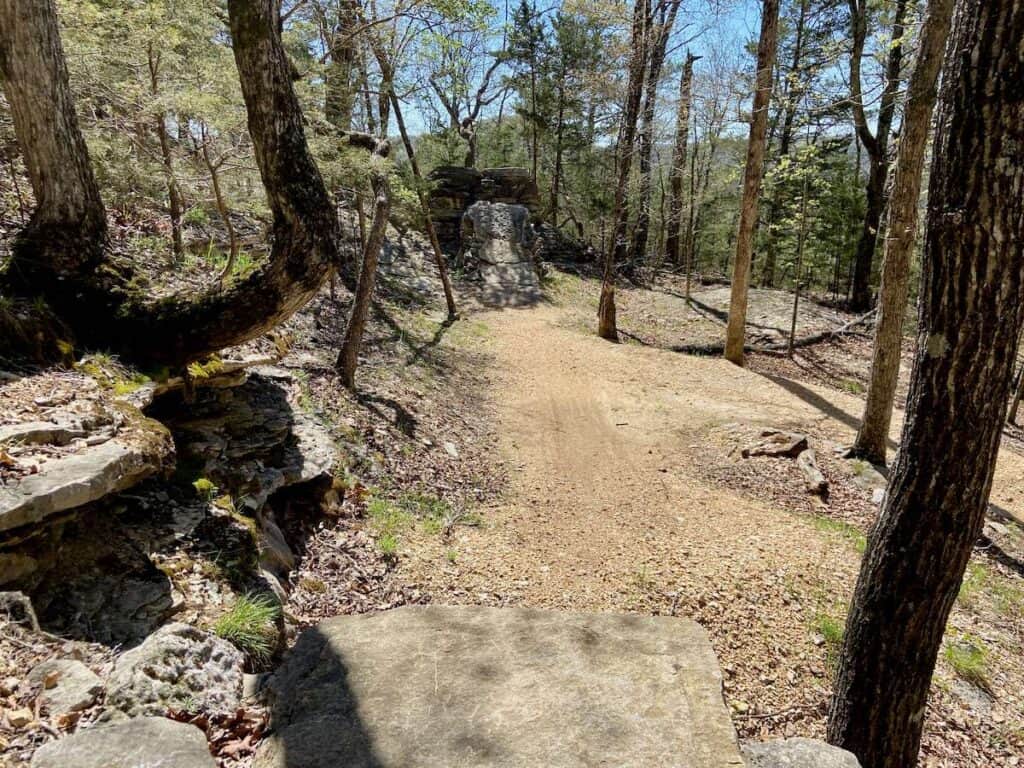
[627,491]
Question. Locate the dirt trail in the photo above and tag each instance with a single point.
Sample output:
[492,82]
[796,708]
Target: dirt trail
[605,511]
[608,510]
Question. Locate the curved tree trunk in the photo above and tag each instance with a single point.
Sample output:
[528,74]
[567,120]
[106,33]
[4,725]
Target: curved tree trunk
[736,331]
[972,310]
[901,229]
[99,297]
[348,357]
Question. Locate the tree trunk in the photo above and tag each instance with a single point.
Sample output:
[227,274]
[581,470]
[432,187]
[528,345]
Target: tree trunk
[167,157]
[556,181]
[616,250]
[658,42]
[340,82]
[675,177]
[877,145]
[735,334]
[901,229]
[792,98]
[68,229]
[348,357]
[971,317]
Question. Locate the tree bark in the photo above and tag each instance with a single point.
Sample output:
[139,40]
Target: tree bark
[675,177]
[876,145]
[348,357]
[793,95]
[900,231]
[616,250]
[657,44]
[68,229]
[340,82]
[735,333]
[971,317]
[174,199]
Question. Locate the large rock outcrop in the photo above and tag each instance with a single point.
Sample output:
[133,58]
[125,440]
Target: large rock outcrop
[498,242]
[456,189]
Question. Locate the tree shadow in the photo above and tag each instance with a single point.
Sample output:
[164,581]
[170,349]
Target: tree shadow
[819,403]
[403,420]
[315,713]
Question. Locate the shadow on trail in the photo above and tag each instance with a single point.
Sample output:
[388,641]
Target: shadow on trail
[311,728]
[819,403]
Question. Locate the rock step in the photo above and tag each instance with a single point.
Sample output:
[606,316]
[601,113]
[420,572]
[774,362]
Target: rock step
[467,687]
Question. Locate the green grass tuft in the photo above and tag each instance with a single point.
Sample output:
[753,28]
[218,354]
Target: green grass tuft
[843,529]
[206,488]
[969,659]
[832,629]
[250,626]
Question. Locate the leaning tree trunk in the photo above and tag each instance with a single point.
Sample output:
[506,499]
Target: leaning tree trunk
[428,219]
[615,252]
[675,177]
[98,297]
[901,229]
[348,357]
[972,310]
[68,228]
[735,334]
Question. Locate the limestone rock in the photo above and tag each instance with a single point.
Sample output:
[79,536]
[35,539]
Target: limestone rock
[456,189]
[466,687]
[797,753]
[145,742]
[90,474]
[776,443]
[178,667]
[68,685]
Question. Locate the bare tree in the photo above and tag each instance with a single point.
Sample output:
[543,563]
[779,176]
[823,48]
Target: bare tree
[615,252]
[875,144]
[900,232]
[673,250]
[972,311]
[662,21]
[752,176]
[348,357]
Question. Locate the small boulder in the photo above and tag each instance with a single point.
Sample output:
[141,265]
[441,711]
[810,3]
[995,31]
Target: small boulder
[178,667]
[145,742]
[776,443]
[797,753]
[68,685]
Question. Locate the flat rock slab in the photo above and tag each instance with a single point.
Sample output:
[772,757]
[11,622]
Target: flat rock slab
[463,687]
[146,742]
